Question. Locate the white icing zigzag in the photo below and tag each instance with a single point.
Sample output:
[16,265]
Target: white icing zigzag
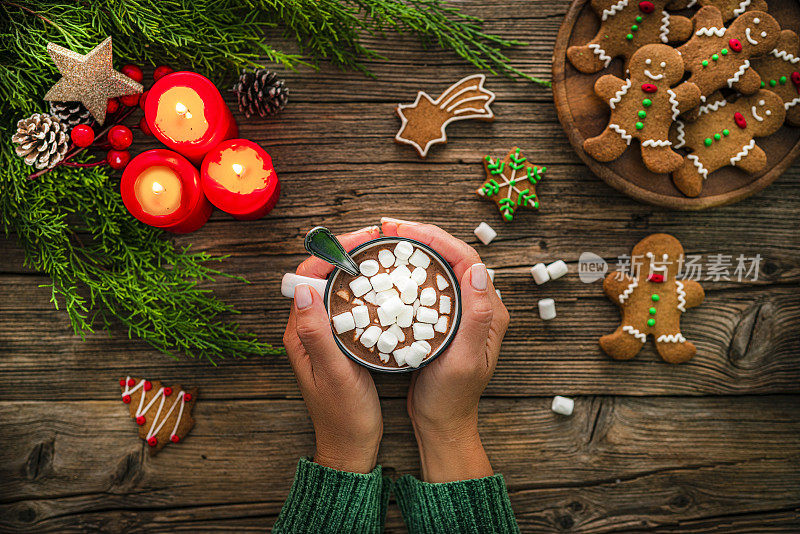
[665,27]
[786,56]
[742,7]
[613,10]
[714,106]
[710,32]
[696,160]
[681,128]
[635,333]
[739,73]
[672,338]
[745,150]
[792,103]
[618,97]
[673,99]
[622,133]
[681,296]
[656,142]
[600,53]
[627,293]
[691,4]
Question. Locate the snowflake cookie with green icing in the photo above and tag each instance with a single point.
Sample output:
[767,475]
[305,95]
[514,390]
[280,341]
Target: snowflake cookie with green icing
[511,182]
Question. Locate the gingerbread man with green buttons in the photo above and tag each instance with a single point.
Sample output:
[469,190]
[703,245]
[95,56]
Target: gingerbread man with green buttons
[780,73]
[651,302]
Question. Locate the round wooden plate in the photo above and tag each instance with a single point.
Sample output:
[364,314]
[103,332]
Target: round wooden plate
[583,115]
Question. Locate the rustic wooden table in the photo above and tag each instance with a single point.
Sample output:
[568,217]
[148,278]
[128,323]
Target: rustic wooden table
[712,445]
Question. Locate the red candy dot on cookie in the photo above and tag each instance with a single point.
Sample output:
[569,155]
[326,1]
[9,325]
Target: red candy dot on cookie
[174,438]
[796,80]
[148,385]
[152,441]
[740,121]
[122,382]
[140,420]
[187,397]
[647,7]
[735,45]
[167,392]
[649,87]
[656,277]
[131,382]
[126,399]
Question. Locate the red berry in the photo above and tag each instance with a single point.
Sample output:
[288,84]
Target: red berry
[122,382]
[126,399]
[187,397]
[140,420]
[152,441]
[167,392]
[133,72]
[131,382]
[148,385]
[174,438]
[144,127]
[120,137]
[118,159]
[143,98]
[112,106]
[130,100]
[82,135]
[161,71]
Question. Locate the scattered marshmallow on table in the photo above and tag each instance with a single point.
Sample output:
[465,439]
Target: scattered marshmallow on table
[563,405]
[370,336]
[291,281]
[403,250]
[386,342]
[369,268]
[485,233]
[427,296]
[360,286]
[343,322]
[547,309]
[557,269]
[361,316]
[386,258]
[491,274]
[540,274]
[498,294]
[422,331]
[419,259]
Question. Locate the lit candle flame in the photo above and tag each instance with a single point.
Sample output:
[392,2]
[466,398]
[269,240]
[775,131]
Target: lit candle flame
[158,188]
[183,110]
[237,169]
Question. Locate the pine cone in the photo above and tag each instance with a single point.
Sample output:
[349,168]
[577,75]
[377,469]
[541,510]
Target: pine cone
[260,93]
[71,113]
[42,140]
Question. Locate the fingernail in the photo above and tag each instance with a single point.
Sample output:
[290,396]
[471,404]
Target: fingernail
[395,221]
[478,277]
[302,296]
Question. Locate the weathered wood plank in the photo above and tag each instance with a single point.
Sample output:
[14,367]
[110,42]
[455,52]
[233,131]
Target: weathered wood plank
[616,464]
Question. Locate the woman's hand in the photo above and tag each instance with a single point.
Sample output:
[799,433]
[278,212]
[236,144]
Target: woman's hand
[339,394]
[443,397]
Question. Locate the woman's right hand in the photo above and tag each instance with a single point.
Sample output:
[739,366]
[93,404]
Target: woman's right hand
[443,397]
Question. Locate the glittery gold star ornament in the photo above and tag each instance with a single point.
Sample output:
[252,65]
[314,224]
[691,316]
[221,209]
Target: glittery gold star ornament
[89,79]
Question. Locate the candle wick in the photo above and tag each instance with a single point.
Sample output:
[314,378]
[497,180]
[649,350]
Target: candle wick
[237,168]
[183,110]
[158,188]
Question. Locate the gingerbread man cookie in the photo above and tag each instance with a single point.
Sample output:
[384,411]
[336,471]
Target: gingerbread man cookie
[724,134]
[626,26]
[732,8]
[651,302]
[643,107]
[719,57]
[780,73]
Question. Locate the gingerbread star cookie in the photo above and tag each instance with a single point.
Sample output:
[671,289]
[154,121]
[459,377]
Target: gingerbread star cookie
[424,121]
[718,56]
[651,302]
[724,135]
[625,27]
[164,414]
[780,73]
[643,107]
[511,183]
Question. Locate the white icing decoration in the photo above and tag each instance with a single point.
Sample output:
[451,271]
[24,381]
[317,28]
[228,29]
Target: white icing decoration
[681,296]
[681,129]
[140,410]
[442,102]
[792,103]
[618,97]
[739,73]
[673,99]
[613,10]
[714,106]
[664,27]
[599,52]
[650,75]
[747,36]
[745,150]
[710,32]
[635,333]
[656,143]
[743,5]
[786,56]
[696,160]
[672,338]
[691,4]
[754,112]
[627,293]
[622,133]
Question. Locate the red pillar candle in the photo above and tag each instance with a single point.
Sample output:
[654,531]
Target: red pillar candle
[162,188]
[185,111]
[238,178]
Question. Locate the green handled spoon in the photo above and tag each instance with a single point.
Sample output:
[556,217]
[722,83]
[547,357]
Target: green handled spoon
[321,242]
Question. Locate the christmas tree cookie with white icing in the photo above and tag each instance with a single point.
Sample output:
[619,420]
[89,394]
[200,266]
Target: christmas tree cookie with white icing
[651,301]
[626,26]
[719,56]
[643,107]
[164,414]
[732,8]
[511,183]
[780,73]
[723,135]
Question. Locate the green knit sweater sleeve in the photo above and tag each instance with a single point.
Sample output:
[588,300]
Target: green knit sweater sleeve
[477,505]
[326,500]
